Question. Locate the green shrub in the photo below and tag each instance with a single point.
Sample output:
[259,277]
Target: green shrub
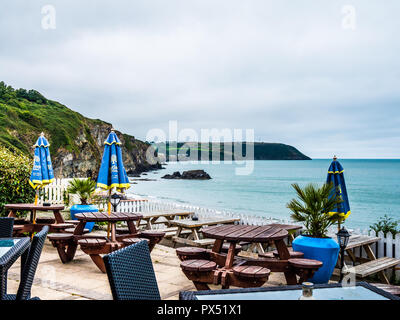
[83,188]
[15,170]
[312,208]
[386,224]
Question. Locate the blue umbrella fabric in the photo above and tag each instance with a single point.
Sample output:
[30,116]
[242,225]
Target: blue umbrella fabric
[42,172]
[335,175]
[112,173]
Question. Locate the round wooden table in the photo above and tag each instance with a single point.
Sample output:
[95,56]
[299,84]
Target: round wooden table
[94,246]
[32,226]
[227,273]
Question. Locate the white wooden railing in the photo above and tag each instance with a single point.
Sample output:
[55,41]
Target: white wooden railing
[54,192]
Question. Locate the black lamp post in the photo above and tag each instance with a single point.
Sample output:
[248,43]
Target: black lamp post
[343,239]
[115,200]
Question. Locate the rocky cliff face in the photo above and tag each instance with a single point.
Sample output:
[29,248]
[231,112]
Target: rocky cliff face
[86,163]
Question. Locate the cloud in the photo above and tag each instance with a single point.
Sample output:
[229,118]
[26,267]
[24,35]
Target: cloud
[286,69]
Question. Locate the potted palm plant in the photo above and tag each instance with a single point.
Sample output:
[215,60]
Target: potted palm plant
[84,189]
[314,208]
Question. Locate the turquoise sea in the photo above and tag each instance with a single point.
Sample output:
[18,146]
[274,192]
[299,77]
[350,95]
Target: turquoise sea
[373,187]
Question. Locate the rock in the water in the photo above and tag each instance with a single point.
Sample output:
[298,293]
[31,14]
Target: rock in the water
[175,175]
[189,175]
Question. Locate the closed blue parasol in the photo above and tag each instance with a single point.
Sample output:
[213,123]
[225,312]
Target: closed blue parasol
[112,173]
[42,172]
[335,175]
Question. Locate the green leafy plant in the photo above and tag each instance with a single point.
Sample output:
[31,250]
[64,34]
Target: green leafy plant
[386,224]
[66,199]
[83,188]
[312,208]
[15,170]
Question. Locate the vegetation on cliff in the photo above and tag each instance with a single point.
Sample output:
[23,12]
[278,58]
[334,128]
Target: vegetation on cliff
[262,151]
[15,169]
[76,142]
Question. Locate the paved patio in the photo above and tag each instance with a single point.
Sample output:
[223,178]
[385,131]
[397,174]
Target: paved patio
[80,278]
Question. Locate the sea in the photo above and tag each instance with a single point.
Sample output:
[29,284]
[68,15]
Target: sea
[373,186]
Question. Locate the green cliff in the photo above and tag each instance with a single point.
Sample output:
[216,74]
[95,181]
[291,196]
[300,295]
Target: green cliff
[76,142]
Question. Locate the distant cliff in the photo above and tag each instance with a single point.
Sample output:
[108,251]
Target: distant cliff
[180,151]
[76,142]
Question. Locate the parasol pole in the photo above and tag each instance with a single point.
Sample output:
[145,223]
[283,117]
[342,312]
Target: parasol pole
[109,211]
[334,159]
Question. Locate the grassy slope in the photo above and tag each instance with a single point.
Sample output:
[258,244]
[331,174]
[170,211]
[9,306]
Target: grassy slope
[22,120]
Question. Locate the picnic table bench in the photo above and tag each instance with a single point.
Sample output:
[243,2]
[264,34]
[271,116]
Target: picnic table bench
[96,245]
[374,265]
[161,217]
[188,231]
[36,224]
[204,267]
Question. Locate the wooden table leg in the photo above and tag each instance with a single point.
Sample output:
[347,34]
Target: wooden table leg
[79,228]
[58,216]
[283,252]
[177,234]
[196,234]
[98,261]
[217,245]
[351,255]
[201,285]
[131,227]
[230,256]
[12,214]
[371,255]
[113,232]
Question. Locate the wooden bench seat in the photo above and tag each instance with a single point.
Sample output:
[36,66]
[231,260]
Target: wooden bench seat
[64,242]
[374,266]
[74,222]
[194,243]
[198,265]
[154,237]
[293,254]
[170,232]
[304,268]
[129,241]
[61,226]
[92,243]
[45,220]
[251,271]
[190,253]
[395,290]
[71,230]
[59,236]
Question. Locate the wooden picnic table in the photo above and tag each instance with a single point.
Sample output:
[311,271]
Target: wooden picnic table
[290,228]
[372,264]
[96,245]
[228,270]
[193,227]
[161,217]
[35,226]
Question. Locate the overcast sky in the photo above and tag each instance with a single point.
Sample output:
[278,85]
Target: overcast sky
[296,72]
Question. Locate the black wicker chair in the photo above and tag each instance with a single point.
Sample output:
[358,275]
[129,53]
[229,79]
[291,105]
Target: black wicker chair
[6,227]
[30,264]
[131,274]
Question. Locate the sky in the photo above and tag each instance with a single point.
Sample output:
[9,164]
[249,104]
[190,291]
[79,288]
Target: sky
[321,75]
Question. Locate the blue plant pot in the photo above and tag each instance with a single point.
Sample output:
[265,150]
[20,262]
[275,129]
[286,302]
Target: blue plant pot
[325,250]
[79,208]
